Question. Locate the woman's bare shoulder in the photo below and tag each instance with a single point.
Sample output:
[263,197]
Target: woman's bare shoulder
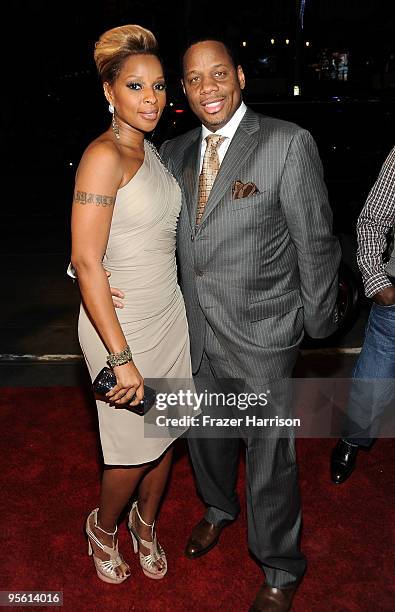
[101,157]
[102,148]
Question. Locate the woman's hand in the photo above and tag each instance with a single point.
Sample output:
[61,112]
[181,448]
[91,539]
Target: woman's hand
[129,383]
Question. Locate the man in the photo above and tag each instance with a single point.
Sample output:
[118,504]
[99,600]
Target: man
[376,360]
[258,262]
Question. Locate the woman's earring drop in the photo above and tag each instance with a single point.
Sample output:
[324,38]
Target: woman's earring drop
[114,124]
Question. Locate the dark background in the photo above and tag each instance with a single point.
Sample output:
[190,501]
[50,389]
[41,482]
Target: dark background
[52,105]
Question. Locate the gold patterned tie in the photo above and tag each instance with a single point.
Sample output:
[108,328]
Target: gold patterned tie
[209,171]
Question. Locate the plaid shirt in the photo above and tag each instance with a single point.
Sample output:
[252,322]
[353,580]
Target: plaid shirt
[376,218]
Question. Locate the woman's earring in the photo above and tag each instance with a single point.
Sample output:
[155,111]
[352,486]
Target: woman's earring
[114,124]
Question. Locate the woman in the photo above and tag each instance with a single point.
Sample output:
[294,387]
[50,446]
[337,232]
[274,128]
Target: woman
[124,220]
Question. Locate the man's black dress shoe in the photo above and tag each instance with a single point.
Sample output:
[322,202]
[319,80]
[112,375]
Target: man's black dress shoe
[343,460]
[272,599]
[203,538]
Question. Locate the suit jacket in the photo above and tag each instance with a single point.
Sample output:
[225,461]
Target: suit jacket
[258,268]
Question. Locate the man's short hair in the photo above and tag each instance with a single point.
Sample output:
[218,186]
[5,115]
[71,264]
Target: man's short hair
[215,37]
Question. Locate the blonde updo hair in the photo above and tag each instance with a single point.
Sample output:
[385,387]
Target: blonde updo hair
[116,45]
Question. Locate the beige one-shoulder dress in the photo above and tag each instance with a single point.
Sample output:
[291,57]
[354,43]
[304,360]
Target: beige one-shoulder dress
[141,258]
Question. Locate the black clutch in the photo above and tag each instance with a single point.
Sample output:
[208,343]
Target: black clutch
[106,380]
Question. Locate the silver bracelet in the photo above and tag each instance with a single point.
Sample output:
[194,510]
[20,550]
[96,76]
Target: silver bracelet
[117,359]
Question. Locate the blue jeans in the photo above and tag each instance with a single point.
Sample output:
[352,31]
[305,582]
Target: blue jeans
[369,395]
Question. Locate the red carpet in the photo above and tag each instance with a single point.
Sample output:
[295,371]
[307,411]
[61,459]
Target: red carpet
[50,482]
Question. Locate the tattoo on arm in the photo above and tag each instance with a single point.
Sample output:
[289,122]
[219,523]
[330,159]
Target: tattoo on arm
[83,197]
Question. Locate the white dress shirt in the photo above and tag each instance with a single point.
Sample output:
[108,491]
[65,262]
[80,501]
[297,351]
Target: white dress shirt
[228,131]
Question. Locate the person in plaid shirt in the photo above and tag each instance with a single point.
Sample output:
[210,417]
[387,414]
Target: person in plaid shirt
[377,358]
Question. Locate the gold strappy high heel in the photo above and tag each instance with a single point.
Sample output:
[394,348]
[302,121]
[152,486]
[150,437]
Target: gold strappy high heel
[105,569]
[156,551]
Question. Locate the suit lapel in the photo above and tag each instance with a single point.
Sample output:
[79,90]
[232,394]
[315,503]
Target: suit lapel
[240,149]
[190,176]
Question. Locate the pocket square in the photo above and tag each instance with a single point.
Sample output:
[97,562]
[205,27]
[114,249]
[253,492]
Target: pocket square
[243,190]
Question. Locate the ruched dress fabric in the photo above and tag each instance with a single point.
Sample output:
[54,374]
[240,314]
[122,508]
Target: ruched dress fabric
[141,258]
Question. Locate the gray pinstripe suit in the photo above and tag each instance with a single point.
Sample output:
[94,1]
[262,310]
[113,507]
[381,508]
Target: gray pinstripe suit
[256,271]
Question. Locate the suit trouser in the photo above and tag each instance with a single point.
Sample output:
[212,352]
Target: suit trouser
[273,505]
